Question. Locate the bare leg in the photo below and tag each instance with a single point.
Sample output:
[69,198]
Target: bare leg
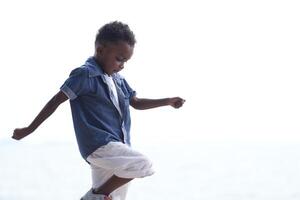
[111,184]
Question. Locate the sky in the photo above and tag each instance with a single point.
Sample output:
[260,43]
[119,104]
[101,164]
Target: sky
[236,63]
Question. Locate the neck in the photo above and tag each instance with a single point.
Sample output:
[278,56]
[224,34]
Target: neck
[99,63]
[97,59]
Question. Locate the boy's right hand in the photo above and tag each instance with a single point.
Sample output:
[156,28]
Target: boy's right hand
[20,133]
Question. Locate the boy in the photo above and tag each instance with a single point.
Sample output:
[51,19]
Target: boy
[100,99]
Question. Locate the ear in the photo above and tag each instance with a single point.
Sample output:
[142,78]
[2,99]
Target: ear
[99,49]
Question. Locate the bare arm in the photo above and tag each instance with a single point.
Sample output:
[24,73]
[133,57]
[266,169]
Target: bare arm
[49,108]
[143,104]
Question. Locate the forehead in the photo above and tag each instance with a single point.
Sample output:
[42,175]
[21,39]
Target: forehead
[120,48]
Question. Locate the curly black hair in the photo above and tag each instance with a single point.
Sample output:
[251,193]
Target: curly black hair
[114,32]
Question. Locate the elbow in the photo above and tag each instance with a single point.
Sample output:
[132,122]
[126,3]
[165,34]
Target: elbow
[52,105]
[135,103]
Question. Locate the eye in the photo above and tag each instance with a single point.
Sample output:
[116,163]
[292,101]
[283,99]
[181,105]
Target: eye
[119,59]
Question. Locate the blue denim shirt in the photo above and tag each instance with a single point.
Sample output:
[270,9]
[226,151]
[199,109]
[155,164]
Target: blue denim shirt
[97,120]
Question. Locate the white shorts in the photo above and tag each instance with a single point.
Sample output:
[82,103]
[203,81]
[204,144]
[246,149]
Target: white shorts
[118,159]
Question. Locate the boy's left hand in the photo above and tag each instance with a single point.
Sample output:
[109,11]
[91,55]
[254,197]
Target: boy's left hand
[176,102]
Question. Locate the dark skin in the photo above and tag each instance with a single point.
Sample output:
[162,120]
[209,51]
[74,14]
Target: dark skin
[111,56]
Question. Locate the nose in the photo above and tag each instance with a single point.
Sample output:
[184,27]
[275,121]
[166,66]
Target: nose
[121,66]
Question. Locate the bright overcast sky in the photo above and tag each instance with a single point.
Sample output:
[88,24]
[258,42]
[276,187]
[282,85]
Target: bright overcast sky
[236,63]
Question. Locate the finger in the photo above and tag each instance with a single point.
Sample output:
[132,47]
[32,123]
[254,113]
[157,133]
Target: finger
[15,137]
[177,105]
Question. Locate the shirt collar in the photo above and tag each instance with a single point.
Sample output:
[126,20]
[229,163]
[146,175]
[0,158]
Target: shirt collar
[94,68]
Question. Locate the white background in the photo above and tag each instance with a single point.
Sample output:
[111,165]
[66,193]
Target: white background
[235,62]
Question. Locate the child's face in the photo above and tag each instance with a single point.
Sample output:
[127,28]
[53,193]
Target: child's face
[112,56]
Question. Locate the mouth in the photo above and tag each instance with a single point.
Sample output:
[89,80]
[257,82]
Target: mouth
[116,70]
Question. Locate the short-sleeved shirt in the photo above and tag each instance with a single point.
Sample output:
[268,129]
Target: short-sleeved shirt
[97,118]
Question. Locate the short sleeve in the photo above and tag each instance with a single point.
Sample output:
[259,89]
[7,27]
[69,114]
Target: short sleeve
[77,84]
[129,90]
